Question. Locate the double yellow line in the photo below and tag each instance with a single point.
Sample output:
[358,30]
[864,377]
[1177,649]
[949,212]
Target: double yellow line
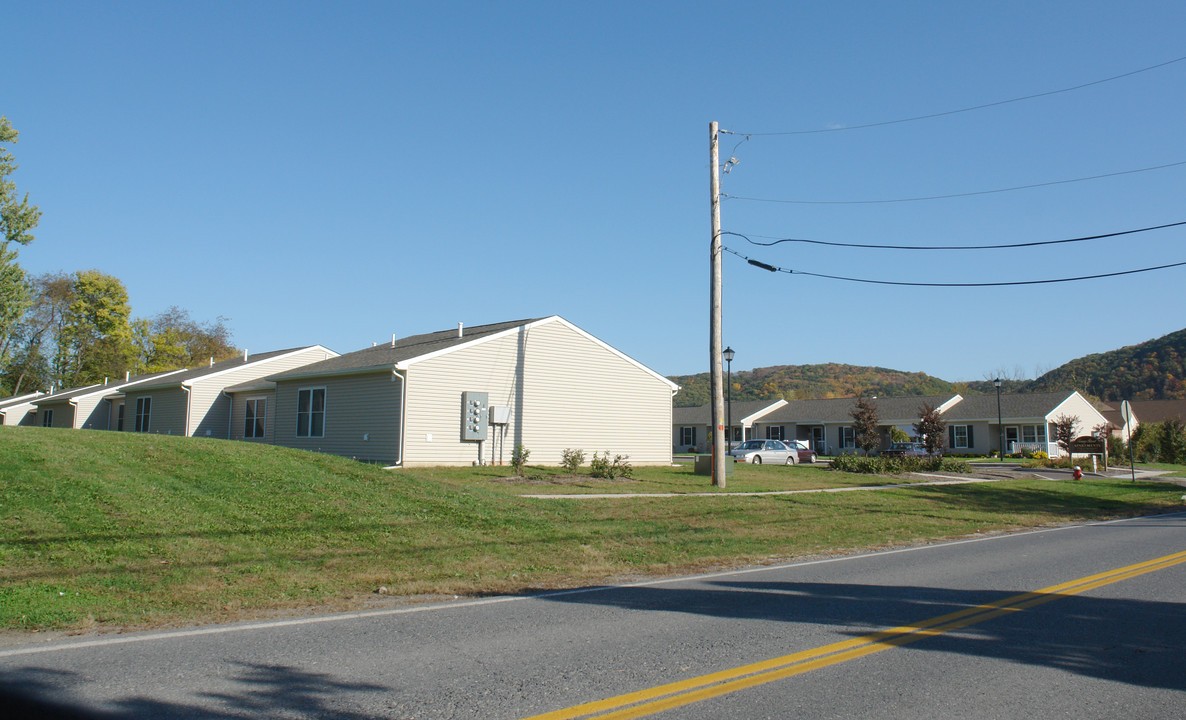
[677,694]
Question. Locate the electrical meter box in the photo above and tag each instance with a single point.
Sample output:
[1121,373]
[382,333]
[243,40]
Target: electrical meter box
[475,415]
[500,415]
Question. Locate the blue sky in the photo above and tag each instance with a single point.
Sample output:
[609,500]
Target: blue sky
[335,173]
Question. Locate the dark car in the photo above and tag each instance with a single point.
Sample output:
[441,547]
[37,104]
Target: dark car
[905,449]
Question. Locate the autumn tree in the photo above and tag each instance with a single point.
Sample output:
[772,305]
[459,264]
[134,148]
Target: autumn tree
[864,425]
[931,428]
[172,340]
[1065,427]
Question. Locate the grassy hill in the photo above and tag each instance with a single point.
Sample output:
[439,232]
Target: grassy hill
[799,382]
[102,530]
[1152,370]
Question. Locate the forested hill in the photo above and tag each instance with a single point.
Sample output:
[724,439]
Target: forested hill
[799,382]
[1152,370]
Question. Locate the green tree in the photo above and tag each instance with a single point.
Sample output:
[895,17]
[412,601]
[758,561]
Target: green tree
[864,425]
[96,337]
[17,220]
[931,428]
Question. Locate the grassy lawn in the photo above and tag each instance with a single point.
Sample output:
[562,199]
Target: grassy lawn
[105,530]
[539,480]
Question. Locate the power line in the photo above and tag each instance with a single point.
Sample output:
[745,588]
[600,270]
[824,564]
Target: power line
[961,110]
[950,247]
[956,195]
[774,268]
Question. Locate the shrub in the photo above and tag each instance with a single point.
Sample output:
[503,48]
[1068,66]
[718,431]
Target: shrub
[570,460]
[519,458]
[600,466]
[898,465]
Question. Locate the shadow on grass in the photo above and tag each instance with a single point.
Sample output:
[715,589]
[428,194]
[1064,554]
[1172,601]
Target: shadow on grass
[264,691]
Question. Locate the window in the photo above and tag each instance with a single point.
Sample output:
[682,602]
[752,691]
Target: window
[47,418]
[847,437]
[687,435]
[255,418]
[736,434]
[311,412]
[119,418]
[774,432]
[143,411]
[961,436]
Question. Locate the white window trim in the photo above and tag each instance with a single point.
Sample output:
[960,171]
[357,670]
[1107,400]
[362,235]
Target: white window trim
[324,409]
[248,401]
[686,431]
[852,437]
[955,430]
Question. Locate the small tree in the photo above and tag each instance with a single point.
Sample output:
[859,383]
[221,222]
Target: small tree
[864,425]
[1065,427]
[931,428]
[519,458]
[897,434]
[571,460]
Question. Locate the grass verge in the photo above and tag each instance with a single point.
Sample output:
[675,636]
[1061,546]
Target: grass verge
[102,530]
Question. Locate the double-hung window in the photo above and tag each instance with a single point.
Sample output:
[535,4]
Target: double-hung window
[47,418]
[143,412]
[311,412]
[255,418]
[848,437]
[687,435]
[961,436]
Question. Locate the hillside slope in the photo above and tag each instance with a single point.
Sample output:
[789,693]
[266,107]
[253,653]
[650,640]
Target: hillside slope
[1152,370]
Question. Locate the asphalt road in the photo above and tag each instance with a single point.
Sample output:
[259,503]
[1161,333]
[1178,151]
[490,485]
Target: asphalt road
[1084,622]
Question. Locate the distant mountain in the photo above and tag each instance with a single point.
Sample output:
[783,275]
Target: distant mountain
[800,382]
[1153,370]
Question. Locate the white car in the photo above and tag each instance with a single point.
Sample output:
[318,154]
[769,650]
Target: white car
[766,451]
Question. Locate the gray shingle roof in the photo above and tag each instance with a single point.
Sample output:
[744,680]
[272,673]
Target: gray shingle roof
[702,414]
[839,410]
[1014,406]
[232,364]
[74,392]
[1154,411]
[388,354]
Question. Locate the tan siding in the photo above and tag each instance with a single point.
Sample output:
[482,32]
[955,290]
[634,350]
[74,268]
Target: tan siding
[361,416]
[93,413]
[239,413]
[63,416]
[210,407]
[166,414]
[564,390]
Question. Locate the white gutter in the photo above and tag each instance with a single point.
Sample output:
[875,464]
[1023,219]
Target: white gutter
[403,415]
[188,406]
[230,413]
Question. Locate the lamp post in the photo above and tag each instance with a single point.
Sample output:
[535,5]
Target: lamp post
[1000,427]
[728,355]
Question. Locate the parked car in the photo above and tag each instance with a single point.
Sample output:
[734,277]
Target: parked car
[806,454]
[769,452]
[905,449]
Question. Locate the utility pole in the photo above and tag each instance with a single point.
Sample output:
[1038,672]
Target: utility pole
[714,324]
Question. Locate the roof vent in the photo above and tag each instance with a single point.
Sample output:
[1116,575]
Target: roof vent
[392,339]
[127,375]
[211,361]
[244,354]
[459,326]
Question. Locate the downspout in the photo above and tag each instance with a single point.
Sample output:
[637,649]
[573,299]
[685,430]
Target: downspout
[230,412]
[188,402]
[403,415]
[74,415]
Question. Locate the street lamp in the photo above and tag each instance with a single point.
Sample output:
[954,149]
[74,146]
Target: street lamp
[728,355]
[1000,427]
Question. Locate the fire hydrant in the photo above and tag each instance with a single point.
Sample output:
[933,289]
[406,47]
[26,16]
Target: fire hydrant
[1078,473]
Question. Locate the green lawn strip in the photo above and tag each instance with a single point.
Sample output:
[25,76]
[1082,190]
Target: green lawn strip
[120,530]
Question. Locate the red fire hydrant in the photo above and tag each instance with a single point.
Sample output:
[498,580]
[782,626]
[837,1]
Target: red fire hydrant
[1078,473]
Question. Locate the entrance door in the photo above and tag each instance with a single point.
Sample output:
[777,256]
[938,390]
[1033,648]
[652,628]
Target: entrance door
[1011,438]
[817,440]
